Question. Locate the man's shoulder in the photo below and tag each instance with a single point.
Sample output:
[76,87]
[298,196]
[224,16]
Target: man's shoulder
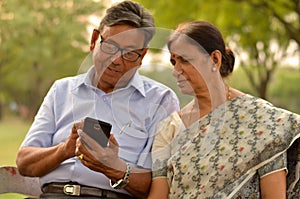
[71,80]
[67,84]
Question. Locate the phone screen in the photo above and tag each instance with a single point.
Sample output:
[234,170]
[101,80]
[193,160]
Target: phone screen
[98,130]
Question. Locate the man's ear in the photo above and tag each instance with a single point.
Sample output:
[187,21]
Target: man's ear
[94,39]
[142,55]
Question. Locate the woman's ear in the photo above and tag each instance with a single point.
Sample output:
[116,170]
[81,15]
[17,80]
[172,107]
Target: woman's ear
[94,39]
[216,56]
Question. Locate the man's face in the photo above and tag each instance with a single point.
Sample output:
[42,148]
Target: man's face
[116,68]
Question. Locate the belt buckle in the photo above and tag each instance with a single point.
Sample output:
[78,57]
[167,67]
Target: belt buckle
[73,190]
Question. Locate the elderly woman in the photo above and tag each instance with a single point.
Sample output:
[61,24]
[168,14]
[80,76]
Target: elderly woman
[225,143]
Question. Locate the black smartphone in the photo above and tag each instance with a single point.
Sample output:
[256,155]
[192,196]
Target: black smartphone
[98,130]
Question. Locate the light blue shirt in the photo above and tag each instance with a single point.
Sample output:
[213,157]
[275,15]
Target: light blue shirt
[135,110]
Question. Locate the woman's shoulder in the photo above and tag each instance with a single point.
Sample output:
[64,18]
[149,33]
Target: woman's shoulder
[262,104]
[172,119]
[170,125]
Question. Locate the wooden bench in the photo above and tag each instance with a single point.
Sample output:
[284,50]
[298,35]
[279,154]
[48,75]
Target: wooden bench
[12,182]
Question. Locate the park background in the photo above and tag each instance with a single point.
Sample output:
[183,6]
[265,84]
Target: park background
[49,39]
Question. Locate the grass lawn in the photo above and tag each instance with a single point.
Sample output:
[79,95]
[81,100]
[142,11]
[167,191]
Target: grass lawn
[12,132]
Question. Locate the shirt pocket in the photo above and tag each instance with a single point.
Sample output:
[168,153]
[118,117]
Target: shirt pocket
[132,143]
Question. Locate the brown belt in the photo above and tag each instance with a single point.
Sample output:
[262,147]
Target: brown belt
[80,190]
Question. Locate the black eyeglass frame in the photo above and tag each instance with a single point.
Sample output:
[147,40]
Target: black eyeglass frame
[123,51]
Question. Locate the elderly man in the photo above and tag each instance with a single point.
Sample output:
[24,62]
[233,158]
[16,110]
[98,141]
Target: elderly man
[68,162]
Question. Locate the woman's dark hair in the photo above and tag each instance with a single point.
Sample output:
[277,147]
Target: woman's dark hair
[210,39]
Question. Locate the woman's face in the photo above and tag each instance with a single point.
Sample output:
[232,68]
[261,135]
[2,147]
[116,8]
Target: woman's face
[191,67]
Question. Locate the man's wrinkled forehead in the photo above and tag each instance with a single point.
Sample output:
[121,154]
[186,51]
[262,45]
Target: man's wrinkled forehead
[124,35]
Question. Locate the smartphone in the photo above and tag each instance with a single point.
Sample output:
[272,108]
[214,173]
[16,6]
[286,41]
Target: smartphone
[98,130]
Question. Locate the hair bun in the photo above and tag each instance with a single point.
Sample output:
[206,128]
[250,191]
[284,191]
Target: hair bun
[228,62]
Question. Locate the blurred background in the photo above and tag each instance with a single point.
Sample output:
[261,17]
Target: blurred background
[49,39]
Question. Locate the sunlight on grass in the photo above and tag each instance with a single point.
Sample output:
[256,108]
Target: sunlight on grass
[12,132]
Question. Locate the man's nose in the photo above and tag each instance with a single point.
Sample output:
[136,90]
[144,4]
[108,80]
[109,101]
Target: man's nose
[117,58]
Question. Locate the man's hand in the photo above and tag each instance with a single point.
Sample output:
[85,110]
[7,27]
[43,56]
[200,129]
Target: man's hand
[70,144]
[106,160]
[98,158]
[37,161]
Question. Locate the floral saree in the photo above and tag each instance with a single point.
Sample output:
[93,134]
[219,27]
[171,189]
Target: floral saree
[224,154]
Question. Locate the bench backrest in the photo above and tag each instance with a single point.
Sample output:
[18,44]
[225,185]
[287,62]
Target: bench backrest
[12,182]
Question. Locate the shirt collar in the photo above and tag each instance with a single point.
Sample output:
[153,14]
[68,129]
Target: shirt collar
[136,81]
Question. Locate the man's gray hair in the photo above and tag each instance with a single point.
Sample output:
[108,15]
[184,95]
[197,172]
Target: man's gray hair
[130,13]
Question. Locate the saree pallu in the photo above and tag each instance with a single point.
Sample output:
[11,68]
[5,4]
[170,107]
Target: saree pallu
[217,156]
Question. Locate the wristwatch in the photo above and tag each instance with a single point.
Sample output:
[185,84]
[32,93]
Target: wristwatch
[120,184]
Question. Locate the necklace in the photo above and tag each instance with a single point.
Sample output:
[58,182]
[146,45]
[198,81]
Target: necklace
[228,93]
[191,112]
[186,113]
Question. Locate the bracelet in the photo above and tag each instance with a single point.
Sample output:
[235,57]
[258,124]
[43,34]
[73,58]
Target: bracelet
[128,170]
[122,182]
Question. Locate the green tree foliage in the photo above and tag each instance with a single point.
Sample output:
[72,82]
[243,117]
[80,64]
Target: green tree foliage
[287,85]
[284,92]
[265,33]
[285,12]
[41,41]
[261,29]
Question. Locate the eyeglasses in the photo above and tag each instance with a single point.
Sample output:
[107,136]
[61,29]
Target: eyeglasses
[112,49]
